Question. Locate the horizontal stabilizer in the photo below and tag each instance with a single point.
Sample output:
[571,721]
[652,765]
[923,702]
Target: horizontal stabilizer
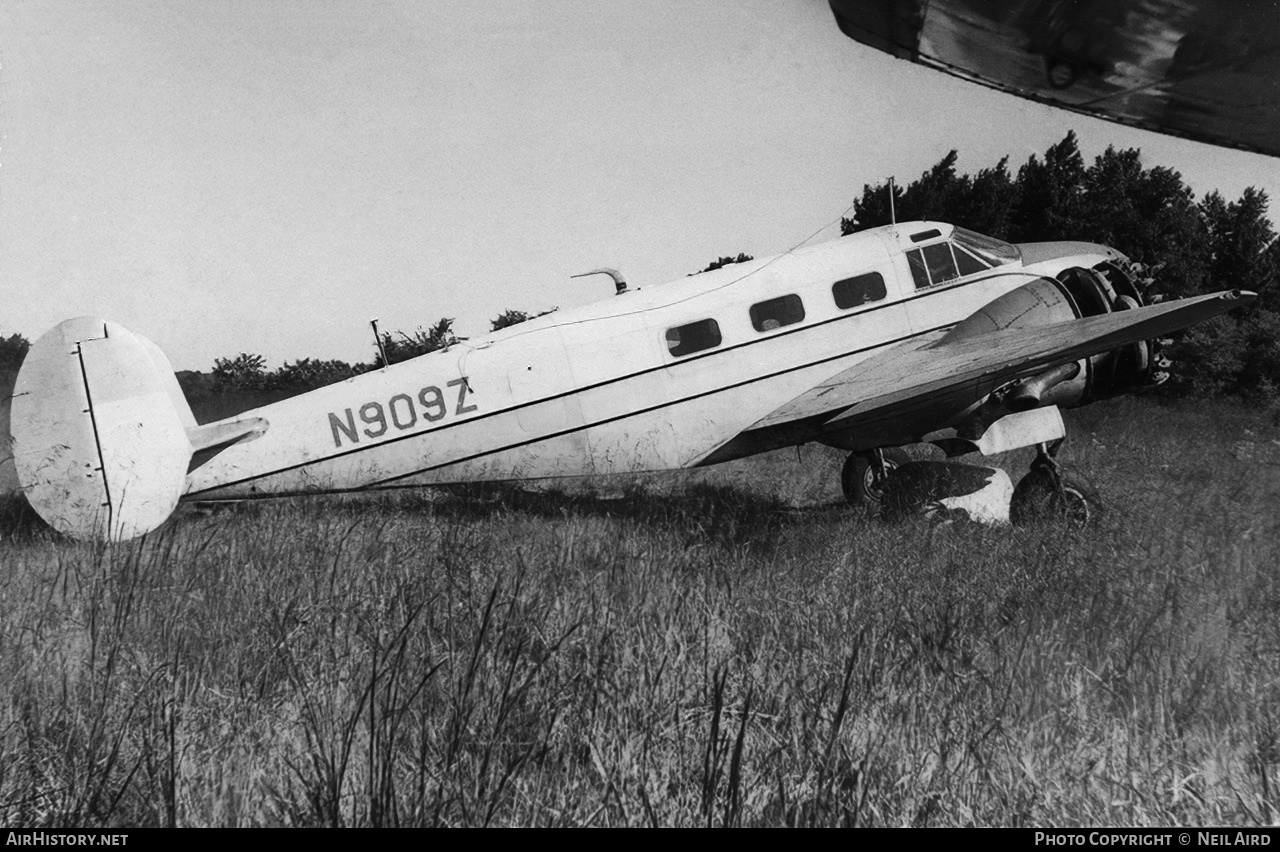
[216,435]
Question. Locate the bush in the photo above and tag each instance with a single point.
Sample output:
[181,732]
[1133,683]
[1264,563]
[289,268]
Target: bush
[399,346]
[12,350]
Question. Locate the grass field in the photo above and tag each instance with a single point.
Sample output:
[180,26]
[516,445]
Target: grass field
[723,647]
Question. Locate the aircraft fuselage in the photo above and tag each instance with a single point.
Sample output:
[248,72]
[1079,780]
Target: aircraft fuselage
[652,379]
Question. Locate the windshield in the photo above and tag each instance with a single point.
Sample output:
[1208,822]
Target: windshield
[996,252]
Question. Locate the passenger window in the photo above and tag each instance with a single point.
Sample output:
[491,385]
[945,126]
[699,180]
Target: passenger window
[858,290]
[775,313]
[694,337]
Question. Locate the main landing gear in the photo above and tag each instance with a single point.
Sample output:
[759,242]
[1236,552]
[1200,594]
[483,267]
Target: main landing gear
[1049,493]
[1046,493]
[864,475]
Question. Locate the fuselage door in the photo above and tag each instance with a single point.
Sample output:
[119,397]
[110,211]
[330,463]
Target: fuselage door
[543,392]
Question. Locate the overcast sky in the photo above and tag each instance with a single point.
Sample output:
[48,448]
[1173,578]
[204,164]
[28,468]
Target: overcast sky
[263,176]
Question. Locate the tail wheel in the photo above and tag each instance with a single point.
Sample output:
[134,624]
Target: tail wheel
[861,481]
[1043,495]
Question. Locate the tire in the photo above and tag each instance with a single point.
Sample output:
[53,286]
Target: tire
[1038,498]
[857,477]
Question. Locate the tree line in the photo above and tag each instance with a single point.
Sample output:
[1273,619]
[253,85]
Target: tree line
[1150,214]
[247,373]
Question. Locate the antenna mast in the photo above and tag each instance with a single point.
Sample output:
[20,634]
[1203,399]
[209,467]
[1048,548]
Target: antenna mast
[377,339]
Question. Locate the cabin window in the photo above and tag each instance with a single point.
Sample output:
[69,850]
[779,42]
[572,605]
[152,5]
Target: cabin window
[693,337]
[775,313]
[858,290]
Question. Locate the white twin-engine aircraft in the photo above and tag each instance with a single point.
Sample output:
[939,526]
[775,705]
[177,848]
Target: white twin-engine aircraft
[915,332]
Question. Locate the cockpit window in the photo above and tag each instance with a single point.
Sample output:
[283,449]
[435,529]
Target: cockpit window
[989,249]
[965,254]
[967,263]
[918,272]
[932,265]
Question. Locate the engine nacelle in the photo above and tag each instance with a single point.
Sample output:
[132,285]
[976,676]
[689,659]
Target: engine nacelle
[1073,294]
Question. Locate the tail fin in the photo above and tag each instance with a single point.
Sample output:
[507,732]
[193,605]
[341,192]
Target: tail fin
[99,445]
[101,433]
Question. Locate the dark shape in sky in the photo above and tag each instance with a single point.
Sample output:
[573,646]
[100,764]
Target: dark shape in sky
[1207,70]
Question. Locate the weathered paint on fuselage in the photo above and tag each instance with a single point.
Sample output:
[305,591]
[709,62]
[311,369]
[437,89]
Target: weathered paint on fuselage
[594,390]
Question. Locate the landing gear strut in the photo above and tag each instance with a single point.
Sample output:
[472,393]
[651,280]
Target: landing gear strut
[1047,492]
[864,474]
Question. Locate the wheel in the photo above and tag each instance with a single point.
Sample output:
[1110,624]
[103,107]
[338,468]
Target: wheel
[1042,496]
[858,476]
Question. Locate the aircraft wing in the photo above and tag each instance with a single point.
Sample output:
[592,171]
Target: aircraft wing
[946,377]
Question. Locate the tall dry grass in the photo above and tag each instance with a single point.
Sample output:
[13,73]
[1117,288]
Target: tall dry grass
[722,648]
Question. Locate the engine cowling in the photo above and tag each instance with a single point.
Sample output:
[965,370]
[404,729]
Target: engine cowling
[1074,293]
